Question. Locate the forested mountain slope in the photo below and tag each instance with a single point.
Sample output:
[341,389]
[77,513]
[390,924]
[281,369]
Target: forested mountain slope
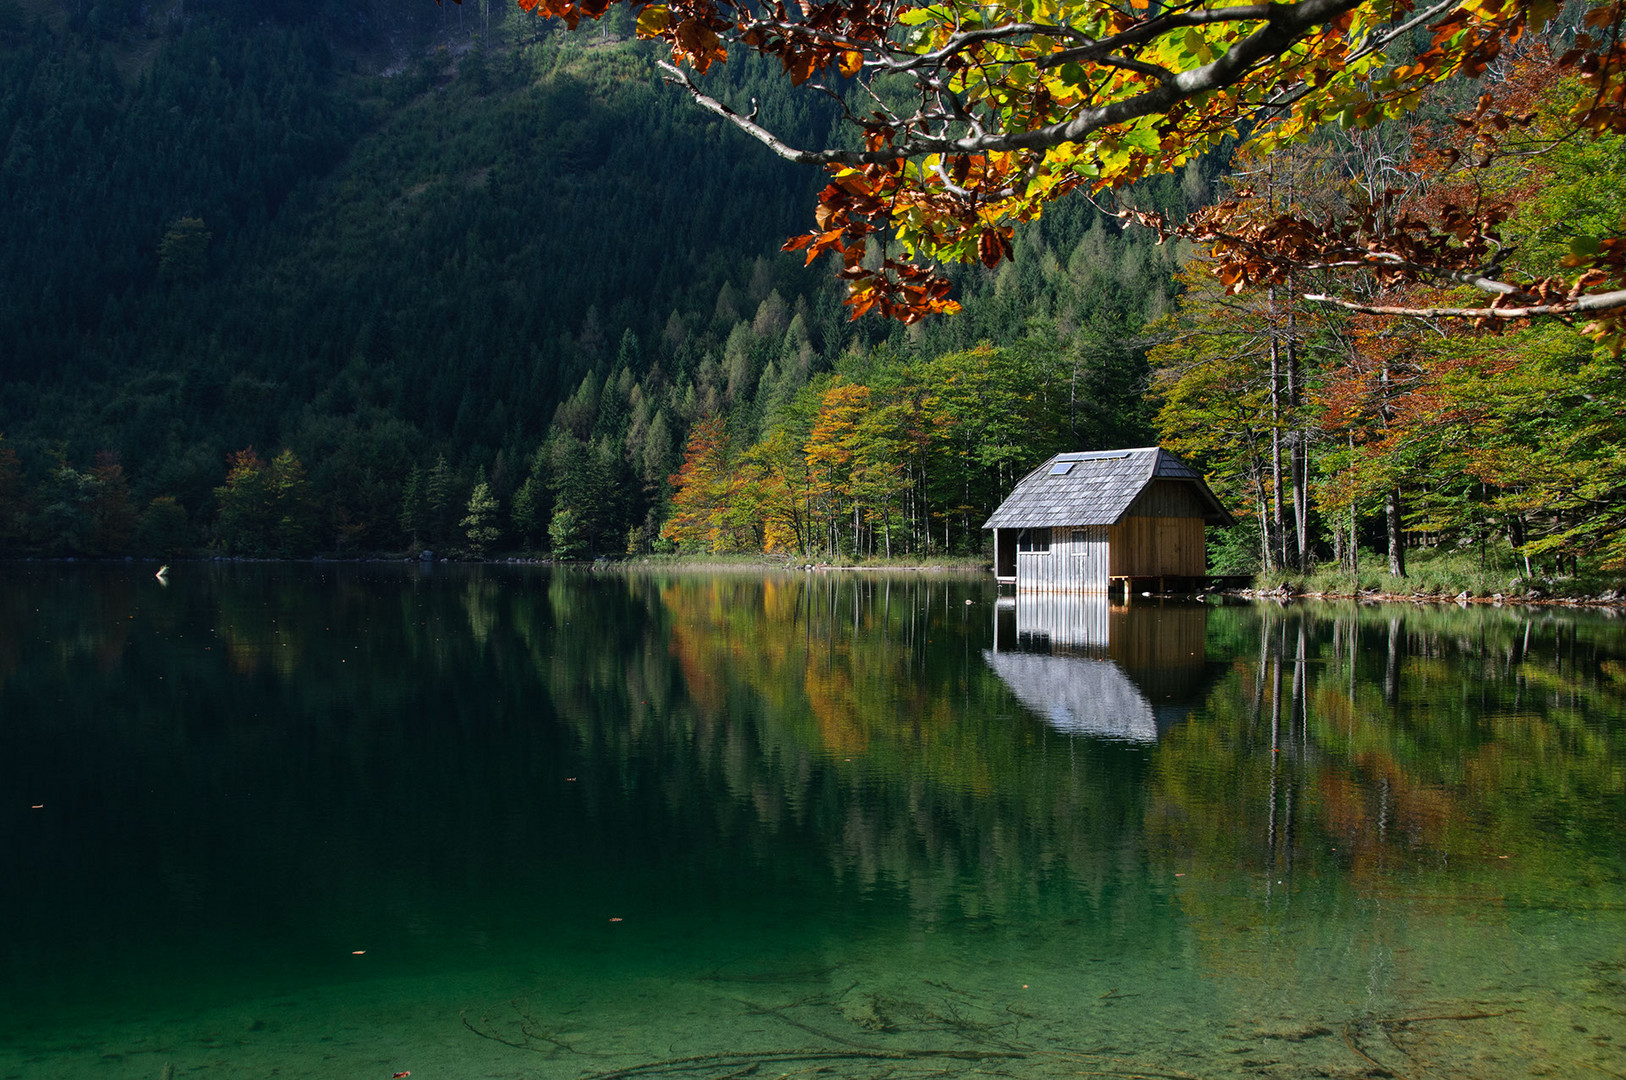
[300,277]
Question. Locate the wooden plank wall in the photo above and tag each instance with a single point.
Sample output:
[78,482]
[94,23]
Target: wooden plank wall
[1167,498]
[1154,546]
[1076,563]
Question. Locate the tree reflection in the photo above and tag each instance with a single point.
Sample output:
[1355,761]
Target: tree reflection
[492,755]
[1383,743]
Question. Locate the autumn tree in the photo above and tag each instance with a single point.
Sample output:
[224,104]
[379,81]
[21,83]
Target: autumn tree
[1259,346]
[706,515]
[1216,399]
[244,501]
[780,483]
[66,508]
[832,451]
[265,509]
[294,513]
[163,529]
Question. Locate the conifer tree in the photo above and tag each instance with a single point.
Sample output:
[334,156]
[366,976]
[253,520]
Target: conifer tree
[414,506]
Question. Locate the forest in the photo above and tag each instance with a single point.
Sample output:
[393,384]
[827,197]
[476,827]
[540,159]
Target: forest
[334,282]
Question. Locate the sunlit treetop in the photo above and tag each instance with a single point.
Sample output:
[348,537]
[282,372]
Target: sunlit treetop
[974,116]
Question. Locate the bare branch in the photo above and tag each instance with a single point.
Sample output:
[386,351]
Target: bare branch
[679,77]
[965,39]
[1582,305]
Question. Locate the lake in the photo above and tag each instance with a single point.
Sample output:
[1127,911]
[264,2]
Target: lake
[355,821]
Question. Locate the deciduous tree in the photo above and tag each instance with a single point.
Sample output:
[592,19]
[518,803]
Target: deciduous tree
[479,524]
[705,512]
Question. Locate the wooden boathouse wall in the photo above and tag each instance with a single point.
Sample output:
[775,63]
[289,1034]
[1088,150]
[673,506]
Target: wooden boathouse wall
[1161,535]
[1075,560]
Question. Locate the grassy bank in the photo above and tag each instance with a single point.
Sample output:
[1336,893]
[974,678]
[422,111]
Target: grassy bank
[961,564]
[1441,574]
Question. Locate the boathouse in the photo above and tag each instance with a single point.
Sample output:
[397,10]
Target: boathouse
[1087,522]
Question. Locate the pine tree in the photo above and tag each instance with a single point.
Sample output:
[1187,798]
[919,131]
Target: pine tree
[440,503]
[414,507]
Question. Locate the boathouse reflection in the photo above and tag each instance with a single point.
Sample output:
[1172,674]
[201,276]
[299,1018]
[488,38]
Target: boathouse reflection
[1089,667]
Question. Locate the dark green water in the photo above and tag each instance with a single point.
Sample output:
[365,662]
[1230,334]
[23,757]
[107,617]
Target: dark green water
[354,821]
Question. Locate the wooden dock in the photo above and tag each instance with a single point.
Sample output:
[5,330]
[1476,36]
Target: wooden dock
[1175,585]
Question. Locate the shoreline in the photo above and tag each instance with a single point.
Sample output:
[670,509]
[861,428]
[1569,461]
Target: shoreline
[1499,600]
[1610,600]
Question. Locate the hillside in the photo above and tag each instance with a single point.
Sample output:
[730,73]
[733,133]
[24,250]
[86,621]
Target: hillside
[397,242]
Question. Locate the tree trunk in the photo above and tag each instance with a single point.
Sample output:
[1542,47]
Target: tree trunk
[1266,559]
[1276,433]
[1296,448]
[1397,539]
[1354,546]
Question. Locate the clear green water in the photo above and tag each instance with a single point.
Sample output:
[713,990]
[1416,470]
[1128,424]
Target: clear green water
[353,821]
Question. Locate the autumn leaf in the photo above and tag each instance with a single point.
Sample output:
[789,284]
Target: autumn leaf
[652,21]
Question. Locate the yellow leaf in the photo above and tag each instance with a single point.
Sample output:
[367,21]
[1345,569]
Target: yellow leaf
[653,20]
[852,62]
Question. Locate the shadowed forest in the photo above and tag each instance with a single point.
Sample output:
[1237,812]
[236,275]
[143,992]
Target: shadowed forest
[353,279]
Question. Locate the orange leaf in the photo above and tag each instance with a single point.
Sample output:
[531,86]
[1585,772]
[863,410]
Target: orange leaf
[989,250]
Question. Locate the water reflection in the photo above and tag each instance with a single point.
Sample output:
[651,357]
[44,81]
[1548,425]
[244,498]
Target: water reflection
[1320,835]
[1087,667]
[1386,729]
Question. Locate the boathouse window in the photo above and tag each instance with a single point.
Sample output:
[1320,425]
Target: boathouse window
[1036,540]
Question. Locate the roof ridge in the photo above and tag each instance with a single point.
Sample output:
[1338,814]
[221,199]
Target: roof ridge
[1095,455]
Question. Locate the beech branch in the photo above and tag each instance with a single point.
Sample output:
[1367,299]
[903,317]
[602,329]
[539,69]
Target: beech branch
[1594,303]
[1283,25]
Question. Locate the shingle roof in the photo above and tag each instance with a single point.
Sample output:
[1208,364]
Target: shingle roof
[1095,488]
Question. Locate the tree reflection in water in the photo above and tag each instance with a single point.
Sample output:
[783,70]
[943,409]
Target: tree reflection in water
[832,811]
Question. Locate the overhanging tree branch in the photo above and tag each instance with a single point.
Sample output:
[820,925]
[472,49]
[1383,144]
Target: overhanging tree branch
[1284,24]
[1591,304]
[1005,111]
